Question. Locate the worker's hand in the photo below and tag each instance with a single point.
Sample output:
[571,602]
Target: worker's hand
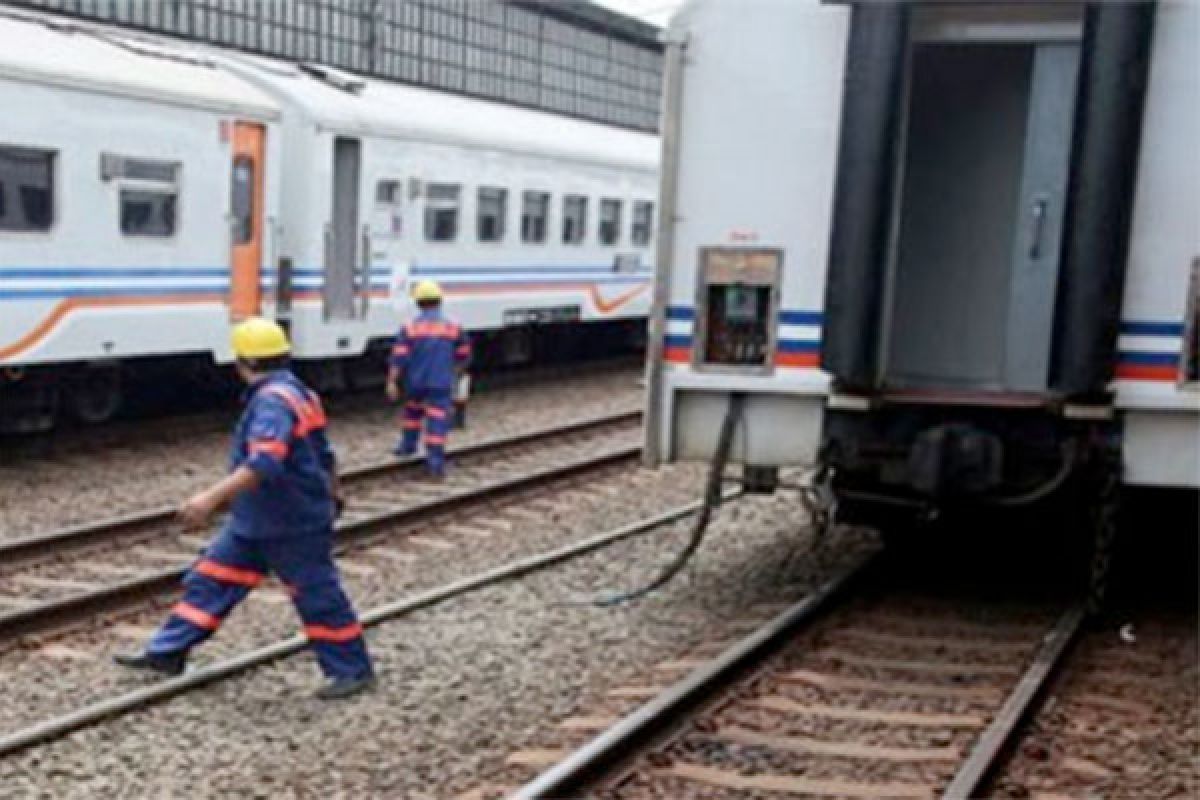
[393,392]
[198,510]
[339,503]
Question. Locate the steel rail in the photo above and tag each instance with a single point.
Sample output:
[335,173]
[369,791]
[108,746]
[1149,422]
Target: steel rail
[58,727]
[82,535]
[569,776]
[56,611]
[993,741]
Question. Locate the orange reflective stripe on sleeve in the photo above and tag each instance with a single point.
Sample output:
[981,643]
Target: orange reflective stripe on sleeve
[400,350]
[226,574]
[197,616]
[269,446]
[435,412]
[322,633]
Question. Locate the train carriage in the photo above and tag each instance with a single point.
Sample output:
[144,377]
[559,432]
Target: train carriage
[947,252]
[118,163]
[151,190]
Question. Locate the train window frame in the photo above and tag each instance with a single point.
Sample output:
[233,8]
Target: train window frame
[242,217]
[451,203]
[51,169]
[488,194]
[569,236]
[610,236]
[647,238]
[389,192]
[157,179]
[527,218]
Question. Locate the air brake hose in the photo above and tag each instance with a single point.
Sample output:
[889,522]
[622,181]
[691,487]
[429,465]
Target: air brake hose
[712,499]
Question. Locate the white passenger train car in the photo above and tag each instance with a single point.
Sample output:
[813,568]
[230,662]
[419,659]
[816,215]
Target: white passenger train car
[946,251]
[151,190]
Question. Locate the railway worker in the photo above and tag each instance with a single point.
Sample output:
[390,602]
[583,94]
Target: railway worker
[283,494]
[430,355]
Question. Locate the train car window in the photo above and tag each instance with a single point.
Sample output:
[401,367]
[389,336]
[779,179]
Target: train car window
[574,229]
[147,212]
[149,193]
[643,223]
[610,221]
[492,210]
[535,213]
[26,189]
[243,200]
[389,193]
[442,202]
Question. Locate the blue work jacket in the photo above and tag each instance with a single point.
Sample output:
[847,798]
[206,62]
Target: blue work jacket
[427,350]
[281,436]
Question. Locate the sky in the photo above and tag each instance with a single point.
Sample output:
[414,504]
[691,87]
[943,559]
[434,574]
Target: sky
[657,12]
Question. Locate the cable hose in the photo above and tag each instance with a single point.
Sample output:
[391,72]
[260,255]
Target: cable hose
[1070,455]
[712,499]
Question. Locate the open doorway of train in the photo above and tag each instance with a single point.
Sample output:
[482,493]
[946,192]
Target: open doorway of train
[985,145]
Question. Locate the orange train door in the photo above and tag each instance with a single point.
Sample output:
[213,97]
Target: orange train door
[246,206]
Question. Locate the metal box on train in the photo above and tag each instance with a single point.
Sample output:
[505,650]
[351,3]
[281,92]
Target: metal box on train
[943,251]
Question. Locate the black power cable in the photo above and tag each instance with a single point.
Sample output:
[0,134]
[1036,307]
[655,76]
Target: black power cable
[712,499]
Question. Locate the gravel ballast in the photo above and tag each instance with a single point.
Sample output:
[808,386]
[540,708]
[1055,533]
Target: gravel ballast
[462,684]
[79,487]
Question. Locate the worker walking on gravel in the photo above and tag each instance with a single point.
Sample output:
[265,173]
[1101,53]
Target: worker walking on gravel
[283,494]
[429,355]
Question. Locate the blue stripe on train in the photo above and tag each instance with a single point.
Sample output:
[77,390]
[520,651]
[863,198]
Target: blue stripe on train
[1149,359]
[1143,328]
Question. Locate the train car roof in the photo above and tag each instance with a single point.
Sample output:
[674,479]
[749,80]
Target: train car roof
[60,52]
[348,103]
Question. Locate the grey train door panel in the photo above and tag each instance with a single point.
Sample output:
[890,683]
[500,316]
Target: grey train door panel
[980,208]
[341,245]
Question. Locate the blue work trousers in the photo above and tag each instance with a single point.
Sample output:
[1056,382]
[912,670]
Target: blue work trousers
[233,564]
[436,408]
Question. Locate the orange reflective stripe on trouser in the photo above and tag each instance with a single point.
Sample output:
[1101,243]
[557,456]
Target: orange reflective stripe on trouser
[322,633]
[310,416]
[434,439]
[411,425]
[197,616]
[226,574]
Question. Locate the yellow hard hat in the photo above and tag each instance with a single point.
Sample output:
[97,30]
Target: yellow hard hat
[427,290]
[259,338]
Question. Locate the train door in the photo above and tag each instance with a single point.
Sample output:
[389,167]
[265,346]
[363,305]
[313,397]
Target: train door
[246,210]
[341,238]
[980,213]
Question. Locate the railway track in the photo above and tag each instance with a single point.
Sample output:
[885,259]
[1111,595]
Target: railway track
[70,575]
[859,702]
[93,713]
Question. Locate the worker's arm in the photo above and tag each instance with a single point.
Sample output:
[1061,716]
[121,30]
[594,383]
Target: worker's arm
[268,442]
[199,508]
[401,350]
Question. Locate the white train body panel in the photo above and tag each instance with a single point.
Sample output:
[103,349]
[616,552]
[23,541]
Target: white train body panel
[84,292]
[1162,412]
[416,137]
[750,171]
[774,193]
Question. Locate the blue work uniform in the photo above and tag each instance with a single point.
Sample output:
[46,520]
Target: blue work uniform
[284,526]
[428,352]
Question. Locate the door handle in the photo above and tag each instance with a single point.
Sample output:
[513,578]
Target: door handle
[1038,228]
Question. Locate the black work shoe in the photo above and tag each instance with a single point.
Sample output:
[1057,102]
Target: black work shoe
[166,663]
[344,687]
